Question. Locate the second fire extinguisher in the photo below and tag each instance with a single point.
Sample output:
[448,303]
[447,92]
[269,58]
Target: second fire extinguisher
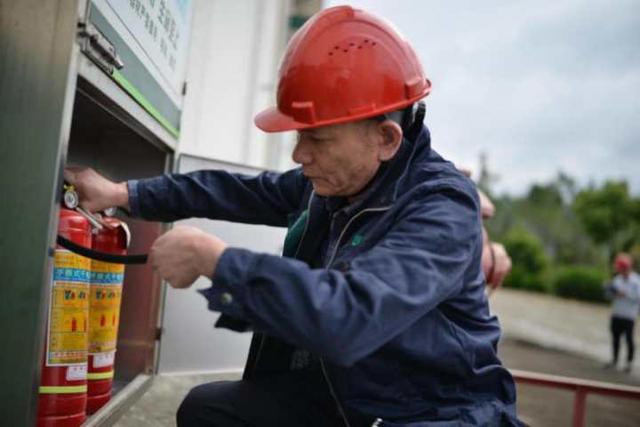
[104,311]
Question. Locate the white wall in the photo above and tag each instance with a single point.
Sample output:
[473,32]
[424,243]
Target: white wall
[189,342]
[235,50]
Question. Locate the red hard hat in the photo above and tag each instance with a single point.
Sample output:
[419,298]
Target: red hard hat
[343,64]
[623,262]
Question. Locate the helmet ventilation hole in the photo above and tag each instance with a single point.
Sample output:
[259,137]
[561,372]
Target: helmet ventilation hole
[345,49]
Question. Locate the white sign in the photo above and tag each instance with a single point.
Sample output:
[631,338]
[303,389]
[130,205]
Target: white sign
[159,28]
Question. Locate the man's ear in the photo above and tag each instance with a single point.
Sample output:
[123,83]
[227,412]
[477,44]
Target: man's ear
[390,139]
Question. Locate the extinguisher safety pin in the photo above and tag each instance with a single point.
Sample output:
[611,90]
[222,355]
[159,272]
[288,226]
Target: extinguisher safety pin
[95,222]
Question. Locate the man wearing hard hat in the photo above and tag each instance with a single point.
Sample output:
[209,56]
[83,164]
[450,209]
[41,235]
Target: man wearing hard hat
[376,314]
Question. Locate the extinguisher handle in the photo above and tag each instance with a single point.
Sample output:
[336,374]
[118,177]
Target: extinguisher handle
[101,256]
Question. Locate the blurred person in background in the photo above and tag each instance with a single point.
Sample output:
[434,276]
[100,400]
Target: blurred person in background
[624,290]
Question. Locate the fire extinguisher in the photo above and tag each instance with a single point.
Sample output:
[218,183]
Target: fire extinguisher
[104,310]
[63,386]
[63,391]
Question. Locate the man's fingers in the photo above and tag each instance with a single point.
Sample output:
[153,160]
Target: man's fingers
[182,254]
[159,265]
[152,257]
[175,281]
[71,173]
[503,265]
[69,176]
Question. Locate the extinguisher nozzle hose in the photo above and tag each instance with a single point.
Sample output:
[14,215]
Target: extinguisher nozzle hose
[101,256]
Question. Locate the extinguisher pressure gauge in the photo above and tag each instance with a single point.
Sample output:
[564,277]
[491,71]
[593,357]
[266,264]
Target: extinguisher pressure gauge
[70,197]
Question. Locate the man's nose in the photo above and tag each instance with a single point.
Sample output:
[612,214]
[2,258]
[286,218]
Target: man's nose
[302,152]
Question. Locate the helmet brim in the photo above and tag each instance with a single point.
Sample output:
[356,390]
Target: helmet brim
[272,120]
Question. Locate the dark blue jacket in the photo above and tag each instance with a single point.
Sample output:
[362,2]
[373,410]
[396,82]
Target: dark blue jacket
[387,291]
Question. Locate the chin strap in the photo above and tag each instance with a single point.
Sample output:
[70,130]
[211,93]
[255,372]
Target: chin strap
[414,119]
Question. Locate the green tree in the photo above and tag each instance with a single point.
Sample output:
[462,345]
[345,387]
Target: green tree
[546,211]
[582,282]
[609,215]
[529,260]
[548,196]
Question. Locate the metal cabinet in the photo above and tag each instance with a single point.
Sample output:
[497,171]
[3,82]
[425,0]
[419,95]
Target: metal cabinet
[98,83]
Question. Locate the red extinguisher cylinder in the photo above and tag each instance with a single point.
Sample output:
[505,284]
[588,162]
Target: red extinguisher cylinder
[63,385]
[105,298]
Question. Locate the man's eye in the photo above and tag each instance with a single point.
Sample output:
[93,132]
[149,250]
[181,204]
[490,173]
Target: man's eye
[313,138]
[321,138]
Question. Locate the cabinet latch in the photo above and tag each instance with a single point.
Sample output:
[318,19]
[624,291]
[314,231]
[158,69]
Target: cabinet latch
[98,48]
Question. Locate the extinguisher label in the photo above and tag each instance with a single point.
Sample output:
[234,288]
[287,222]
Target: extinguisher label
[106,294]
[76,373]
[67,338]
[100,360]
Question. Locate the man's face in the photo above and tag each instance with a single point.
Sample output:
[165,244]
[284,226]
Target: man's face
[339,160]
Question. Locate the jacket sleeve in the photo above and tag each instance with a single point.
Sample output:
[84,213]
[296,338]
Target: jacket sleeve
[263,199]
[346,315]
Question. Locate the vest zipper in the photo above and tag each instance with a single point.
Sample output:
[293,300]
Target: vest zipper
[306,225]
[333,255]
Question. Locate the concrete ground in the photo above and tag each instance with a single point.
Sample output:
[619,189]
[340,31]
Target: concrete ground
[158,406]
[556,323]
[541,334]
[542,406]
[546,334]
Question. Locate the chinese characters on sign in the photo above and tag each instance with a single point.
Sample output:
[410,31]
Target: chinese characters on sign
[153,17]
[159,29]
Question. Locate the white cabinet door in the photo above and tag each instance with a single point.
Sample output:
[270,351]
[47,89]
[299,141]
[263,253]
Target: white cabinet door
[190,343]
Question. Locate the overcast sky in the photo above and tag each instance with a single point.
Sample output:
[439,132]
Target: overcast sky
[538,86]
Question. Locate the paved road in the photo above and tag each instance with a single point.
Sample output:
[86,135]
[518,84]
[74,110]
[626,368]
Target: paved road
[562,337]
[557,323]
[538,406]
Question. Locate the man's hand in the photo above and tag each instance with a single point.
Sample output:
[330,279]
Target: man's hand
[95,191]
[496,262]
[183,254]
[501,267]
